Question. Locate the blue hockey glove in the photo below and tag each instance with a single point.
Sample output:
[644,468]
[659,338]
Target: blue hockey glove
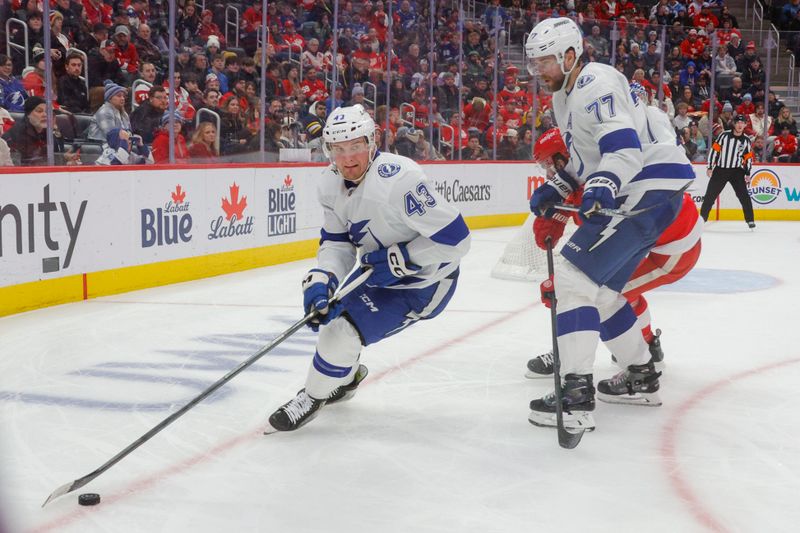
[555,189]
[598,193]
[388,265]
[318,287]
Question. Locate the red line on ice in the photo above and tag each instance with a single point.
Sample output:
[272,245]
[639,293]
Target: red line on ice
[214,453]
[669,452]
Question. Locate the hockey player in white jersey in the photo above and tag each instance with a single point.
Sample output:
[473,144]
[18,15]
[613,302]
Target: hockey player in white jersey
[381,210]
[620,166]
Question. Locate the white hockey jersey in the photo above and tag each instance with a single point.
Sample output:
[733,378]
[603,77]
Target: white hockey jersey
[607,136]
[394,203]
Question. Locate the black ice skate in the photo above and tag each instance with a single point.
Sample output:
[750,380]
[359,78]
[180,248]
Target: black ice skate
[656,353]
[299,411]
[638,385]
[577,401]
[751,225]
[540,367]
[345,392]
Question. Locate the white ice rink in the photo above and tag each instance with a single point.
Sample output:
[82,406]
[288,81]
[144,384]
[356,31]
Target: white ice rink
[437,439]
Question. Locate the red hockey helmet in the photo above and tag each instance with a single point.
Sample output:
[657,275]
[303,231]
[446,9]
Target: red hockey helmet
[549,150]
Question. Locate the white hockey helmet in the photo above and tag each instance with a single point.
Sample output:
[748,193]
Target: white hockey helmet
[553,37]
[347,123]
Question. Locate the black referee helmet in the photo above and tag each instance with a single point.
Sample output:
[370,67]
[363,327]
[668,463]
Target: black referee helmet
[739,118]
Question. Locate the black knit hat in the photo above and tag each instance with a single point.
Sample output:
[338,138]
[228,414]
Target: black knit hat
[31,103]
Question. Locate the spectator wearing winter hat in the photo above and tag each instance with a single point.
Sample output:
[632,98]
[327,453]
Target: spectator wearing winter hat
[124,148]
[111,114]
[161,140]
[689,75]
[127,55]
[746,107]
[208,28]
[27,139]
[12,92]
[33,81]
[747,58]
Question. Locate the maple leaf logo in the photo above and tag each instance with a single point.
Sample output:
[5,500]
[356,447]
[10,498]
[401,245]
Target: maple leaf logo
[287,183]
[179,195]
[234,206]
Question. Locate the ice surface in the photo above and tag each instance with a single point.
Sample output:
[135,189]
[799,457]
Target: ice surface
[437,439]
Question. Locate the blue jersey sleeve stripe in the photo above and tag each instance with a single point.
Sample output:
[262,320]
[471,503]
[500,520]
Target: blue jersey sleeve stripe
[335,237]
[605,174]
[619,140]
[677,171]
[453,233]
[324,367]
[578,319]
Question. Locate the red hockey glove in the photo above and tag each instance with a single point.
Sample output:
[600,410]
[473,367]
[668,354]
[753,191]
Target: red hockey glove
[549,227]
[547,291]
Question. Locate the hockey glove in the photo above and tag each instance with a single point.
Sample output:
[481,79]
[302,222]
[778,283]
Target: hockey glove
[388,265]
[547,290]
[553,191]
[598,193]
[549,227]
[318,287]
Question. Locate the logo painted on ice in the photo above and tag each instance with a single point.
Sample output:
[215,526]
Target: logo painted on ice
[585,80]
[171,224]
[234,212]
[765,187]
[387,170]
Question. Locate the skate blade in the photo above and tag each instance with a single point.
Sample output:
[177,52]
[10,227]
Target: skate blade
[651,399]
[533,375]
[575,422]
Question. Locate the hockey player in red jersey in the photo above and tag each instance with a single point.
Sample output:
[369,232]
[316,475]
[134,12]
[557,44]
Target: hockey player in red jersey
[674,255]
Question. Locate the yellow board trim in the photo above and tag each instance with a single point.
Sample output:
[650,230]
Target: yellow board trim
[760,214]
[44,293]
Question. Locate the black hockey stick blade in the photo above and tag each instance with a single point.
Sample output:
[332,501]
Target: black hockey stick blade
[80,482]
[567,439]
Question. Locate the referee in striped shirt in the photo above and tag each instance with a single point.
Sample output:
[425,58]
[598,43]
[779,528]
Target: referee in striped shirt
[730,161]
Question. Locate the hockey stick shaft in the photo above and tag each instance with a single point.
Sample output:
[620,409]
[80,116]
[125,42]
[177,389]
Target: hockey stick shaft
[80,482]
[617,212]
[566,439]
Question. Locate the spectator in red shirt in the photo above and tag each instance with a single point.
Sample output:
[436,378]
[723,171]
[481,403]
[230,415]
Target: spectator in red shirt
[205,144]
[312,87]
[705,16]
[785,145]
[294,41]
[127,55]
[208,28]
[692,47]
[98,12]
[252,18]
[511,114]
[511,92]
[160,148]
[746,107]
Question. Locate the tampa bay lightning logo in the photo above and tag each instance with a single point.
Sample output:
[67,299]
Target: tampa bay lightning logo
[585,80]
[387,170]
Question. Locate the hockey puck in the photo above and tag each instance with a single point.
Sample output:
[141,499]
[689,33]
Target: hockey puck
[90,498]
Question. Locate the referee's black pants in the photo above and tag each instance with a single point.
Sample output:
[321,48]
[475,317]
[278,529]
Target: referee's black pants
[721,176]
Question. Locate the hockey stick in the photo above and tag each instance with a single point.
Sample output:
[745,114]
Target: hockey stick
[80,482]
[566,438]
[596,210]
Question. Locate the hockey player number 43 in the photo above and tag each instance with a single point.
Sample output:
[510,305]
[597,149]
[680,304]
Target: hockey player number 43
[416,203]
[605,100]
